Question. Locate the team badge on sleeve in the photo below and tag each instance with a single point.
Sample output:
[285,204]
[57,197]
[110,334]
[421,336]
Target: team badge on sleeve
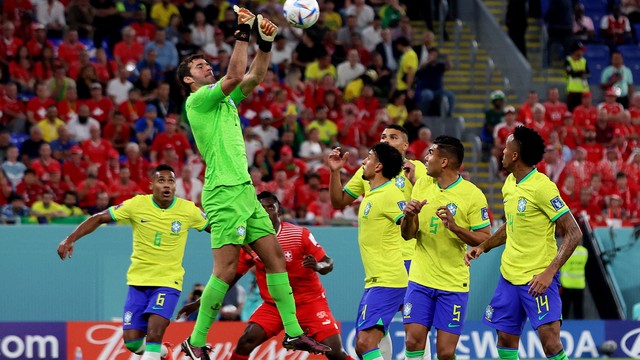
[484,213]
[118,206]
[557,203]
[402,204]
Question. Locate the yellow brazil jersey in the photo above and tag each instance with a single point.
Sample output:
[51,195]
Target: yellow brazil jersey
[409,60]
[531,208]
[380,238]
[159,238]
[358,186]
[439,259]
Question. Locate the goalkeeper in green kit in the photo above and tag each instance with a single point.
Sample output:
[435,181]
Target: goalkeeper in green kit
[236,216]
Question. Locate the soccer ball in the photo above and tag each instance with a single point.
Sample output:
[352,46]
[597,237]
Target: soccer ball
[301,13]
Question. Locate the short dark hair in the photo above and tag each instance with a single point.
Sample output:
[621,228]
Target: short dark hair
[451,147]
[30,171]
[620,175]
[399,128]
[185,70]
[531,145]
[272,196]
[163,167]
[403,41]
[390,158]
[15,196]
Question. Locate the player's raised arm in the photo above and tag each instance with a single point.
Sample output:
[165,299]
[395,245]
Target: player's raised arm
[266,34]
[238,61]
[87,227]
[339,198]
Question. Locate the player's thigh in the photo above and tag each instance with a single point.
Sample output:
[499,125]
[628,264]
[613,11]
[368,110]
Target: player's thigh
[268,318]
[253,336]
[317,318]
[259,224]
[228,211]
[135,306]
[544,309]
[378,306]
[269,250]
[450,312]
[419,306]
[505,312]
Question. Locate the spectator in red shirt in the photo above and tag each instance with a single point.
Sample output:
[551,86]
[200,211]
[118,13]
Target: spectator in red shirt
[68,107]
[351,129]
[616,214]
[419,147]
[117,132]
[604,129]
[320,210]
[367,104]
[9,44]
[615,28]
[45,164]
[579,168]
[555,109]
[540,124]
[306,193]
[256,179]
[30,188]
[70,47]
[137,165]
[587,208]
[170,157]
[101,107]
[13,110]
[89,188]
[585,114]
[293,167]
[611,109]
[632,167]
[128,50]
[44,68]
[133,108]
[598,191]
[525,115]
[284,189]
[502,131]
[609,167]
[552,164]
[569,133]
[15,10]
[102,203]
[595,150]
[569,192]
[124,188]
[172,136]
[96,150]
[57,186]
[627,191]
[37,106]
[38,42]
[75,170]
[145,31]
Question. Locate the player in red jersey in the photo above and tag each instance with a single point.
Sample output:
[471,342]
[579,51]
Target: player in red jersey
[304,257]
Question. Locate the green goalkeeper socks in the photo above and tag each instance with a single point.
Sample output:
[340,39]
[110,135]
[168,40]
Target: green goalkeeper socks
[280,291]
[210,304]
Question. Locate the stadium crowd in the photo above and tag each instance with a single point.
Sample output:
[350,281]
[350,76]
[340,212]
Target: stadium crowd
[89,104]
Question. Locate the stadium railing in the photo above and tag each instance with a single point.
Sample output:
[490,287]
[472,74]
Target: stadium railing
[498,45]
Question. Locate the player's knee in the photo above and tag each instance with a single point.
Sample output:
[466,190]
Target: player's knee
[364,344]
[552,347]
[135,346]
[247,343]
[413,342]
[336,354]
[446,354]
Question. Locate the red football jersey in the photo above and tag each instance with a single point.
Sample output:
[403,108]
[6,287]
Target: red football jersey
[77,173]
[555,112]
[583,116]
[296,242]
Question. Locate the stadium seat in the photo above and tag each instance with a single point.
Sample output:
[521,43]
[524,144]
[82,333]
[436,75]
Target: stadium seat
[631,54]
[598,58]
[636,32]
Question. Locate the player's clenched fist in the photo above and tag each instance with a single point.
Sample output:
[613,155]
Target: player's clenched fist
[413,207]
[244,16]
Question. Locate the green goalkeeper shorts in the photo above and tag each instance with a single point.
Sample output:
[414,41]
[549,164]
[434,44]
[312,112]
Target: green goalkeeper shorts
[235,215]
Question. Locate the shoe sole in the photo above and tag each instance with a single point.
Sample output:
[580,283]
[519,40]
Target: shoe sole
[291,347]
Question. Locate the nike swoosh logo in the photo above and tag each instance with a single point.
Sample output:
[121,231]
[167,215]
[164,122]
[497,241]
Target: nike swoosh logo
[542,316]
[453,325]
[361,323]
[156,307]
[144,221]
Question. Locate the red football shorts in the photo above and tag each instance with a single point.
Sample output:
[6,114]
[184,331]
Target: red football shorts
[314,317]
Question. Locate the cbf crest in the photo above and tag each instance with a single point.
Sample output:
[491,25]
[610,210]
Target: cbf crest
[522,204]
[453,208]
[406,311]
[127,318]
[488,313]
[367,208]
[176,226]
[400,182]
[242,231]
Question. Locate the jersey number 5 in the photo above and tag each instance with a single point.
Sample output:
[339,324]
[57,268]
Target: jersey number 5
[433,225]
